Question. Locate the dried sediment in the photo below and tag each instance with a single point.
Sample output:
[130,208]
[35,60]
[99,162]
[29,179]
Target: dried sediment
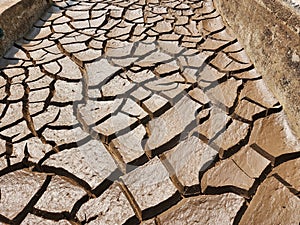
[269,31]
[168,123]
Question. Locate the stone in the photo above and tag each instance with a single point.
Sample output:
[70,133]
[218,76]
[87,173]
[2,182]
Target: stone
[190,157]
[110,208]
[273,203]
[206,209]
[273,137]
[149,184]
[226,174]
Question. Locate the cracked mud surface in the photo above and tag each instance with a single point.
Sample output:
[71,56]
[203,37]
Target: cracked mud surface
[141,112]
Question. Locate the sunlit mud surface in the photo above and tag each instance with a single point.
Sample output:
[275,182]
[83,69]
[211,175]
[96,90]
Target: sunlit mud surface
[141,112]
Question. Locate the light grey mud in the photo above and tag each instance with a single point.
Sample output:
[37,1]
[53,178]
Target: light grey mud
[141,112]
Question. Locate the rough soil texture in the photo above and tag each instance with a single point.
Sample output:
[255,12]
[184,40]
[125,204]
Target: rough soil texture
[141,112]
[270,31]
[17,18]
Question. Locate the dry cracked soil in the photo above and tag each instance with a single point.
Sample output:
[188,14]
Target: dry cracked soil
[141,112]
